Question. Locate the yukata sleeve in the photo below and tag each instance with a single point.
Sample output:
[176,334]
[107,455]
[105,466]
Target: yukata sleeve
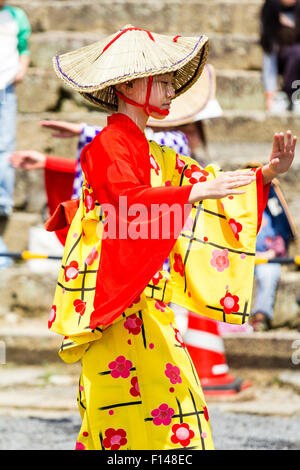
[212,263]
[58,179]
[130,253]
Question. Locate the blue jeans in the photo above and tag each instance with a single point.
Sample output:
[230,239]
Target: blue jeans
[267,277]
[8,116]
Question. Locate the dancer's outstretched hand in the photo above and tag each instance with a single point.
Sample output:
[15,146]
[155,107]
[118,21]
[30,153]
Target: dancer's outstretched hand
[28,159]
[226,184]
[63,129]
[283,152]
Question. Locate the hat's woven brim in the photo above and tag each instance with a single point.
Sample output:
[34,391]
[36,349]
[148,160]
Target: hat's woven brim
[93,73]
[185,109]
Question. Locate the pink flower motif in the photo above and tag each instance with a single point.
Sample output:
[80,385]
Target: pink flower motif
[92,256]
[178,337]
[52,316]
[156,278]
[120,367]
[178,264]
[80,306]
[71,271]
[162,415]
[135,390]
[220,260]
[114,439]
[160,306]
[154,165]
[230,303]
[79,446]
[179,164]
[173,374]
[89,200]
[196,174]
[133,324]
[182,434]
[236,227]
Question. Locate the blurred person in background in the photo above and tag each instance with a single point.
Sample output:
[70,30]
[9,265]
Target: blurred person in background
[273,240]
[14,60]
[280,40]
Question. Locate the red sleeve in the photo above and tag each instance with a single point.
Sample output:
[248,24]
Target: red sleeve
[127,264]
[262,197]
[59,178]
[65,165]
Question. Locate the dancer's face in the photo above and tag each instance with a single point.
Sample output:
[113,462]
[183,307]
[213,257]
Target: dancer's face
[288,3]
[162,93]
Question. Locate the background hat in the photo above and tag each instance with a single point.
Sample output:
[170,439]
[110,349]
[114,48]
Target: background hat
[129,54]
[198,103]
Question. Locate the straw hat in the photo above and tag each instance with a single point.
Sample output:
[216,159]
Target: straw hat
[129,54]
[197,104]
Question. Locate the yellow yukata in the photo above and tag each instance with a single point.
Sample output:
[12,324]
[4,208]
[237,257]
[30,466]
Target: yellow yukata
[139,388]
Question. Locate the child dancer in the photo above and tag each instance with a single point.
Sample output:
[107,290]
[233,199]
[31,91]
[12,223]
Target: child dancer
[140,204]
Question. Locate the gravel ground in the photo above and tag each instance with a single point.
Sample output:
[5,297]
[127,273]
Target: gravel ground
[231,432]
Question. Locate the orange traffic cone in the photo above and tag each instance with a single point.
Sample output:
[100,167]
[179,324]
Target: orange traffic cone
[206,348]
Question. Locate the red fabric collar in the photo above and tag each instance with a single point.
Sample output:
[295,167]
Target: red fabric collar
[125,122]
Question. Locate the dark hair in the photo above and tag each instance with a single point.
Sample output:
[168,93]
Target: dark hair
[270,23]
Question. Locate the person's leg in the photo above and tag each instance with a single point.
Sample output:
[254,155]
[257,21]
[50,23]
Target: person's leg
[289,59]
[267,277]
[8,112]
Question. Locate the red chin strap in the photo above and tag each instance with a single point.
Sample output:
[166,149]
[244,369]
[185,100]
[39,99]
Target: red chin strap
[148,108]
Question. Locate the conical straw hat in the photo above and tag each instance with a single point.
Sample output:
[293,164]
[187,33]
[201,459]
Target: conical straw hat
[198,103]
[129,54]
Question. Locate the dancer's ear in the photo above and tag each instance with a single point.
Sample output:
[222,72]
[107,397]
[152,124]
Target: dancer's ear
[125,88]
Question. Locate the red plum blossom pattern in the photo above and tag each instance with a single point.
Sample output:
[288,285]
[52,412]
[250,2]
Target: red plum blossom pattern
[236,228]
[135,390]
[182,434]
[120,367]
[133,324]
[230,303]
[71,271]
[89,201]
[52,316]
[114,439]
[196,175]
[162,415]
[173,374]
[178,264]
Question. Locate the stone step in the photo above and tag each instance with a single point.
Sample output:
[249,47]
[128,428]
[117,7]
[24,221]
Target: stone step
[237,126]
[227,51]
[24,291]
[32,344]
[169,16]
[240,90]
[236,89]
[27,292]
[233,126]
[16,235]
